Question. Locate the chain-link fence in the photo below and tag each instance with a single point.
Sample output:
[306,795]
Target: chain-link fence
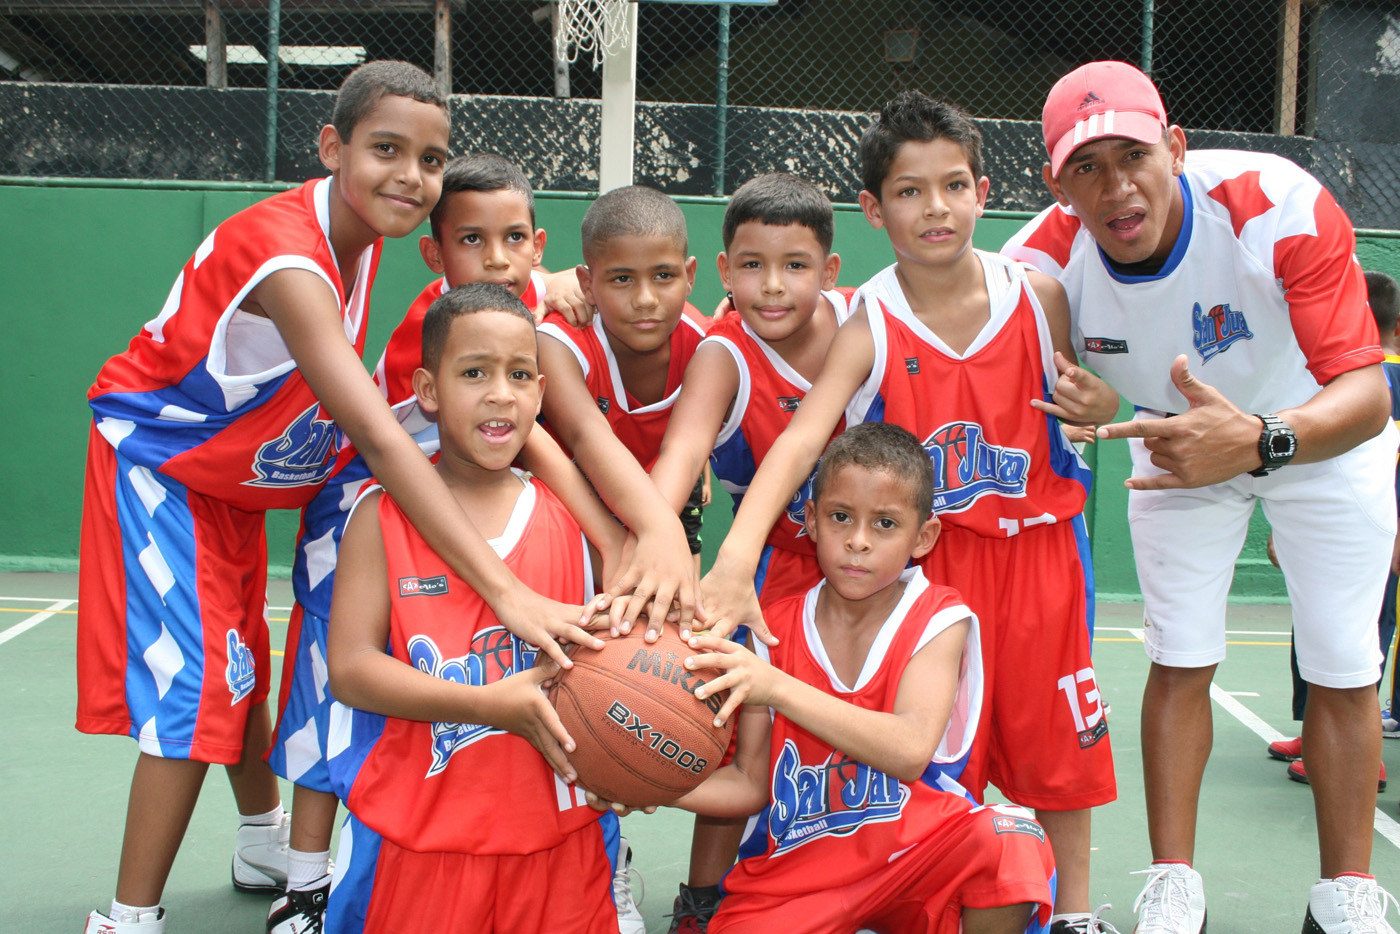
[213,89]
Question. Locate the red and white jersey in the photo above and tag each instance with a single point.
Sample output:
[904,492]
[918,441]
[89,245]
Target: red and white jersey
[999,465]
[404,352]
[207,393]
[831,819]
[465,787]
[639,427]
[768,395]
[1262,290]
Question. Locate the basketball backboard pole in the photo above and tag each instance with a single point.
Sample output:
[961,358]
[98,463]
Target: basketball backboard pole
[619,93]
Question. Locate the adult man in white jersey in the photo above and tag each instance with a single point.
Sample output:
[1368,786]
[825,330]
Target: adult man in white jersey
[1207,287]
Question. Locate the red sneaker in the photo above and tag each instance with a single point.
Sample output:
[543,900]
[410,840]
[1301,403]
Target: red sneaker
[1287,750]
[1297,773]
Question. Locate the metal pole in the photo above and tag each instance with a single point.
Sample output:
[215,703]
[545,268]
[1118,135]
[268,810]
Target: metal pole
[722,99]
[442,47]
[215,48]
[561,52]
[274,36]
[1148,13]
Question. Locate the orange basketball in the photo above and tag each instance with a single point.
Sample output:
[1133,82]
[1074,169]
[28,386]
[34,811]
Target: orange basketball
[642,737]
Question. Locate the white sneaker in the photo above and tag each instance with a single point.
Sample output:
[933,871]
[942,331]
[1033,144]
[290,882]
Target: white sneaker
[1172,902]
[260,857]
[1348,905]
[98,923]
[629,918]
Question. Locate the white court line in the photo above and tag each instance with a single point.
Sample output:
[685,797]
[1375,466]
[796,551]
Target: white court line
[1385,825]
[30,599]
[1229,632]
[30,622]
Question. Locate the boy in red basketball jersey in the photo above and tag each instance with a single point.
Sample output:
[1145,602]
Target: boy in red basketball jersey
[617,378]
[953,344]
[458,820]
[748,377]
[482,230]
[852,720]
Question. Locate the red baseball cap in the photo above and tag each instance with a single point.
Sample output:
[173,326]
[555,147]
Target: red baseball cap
[1097,100]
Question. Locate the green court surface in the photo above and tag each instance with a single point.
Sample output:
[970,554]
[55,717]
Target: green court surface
[64,795]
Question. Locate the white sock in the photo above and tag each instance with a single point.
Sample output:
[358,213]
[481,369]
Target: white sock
[305,870]
[130,914]
[272,817]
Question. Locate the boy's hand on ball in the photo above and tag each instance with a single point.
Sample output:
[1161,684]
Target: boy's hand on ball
[728,600]
[519,706]
[622,810]
[748,678]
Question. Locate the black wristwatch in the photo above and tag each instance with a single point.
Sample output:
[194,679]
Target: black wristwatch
[1277,445]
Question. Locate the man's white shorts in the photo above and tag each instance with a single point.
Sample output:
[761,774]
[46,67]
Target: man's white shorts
[1334,527]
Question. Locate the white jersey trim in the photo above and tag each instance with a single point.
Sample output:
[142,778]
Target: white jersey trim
[915,584]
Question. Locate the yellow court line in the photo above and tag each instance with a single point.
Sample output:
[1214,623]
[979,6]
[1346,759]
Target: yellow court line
[18,609]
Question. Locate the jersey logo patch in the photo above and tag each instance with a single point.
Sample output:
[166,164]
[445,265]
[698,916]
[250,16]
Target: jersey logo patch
[967,467]
[835,798]
[797,506]
[911,366]
[1105,345]
[1215,330]
[604,403]
[494,654]
[1005,823]
[301,457]
[423,586]
[240,672]
[789,403]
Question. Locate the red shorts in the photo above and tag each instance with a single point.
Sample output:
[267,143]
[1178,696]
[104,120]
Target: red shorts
[980,858]
[1043,738]
[172,612]
[566,889]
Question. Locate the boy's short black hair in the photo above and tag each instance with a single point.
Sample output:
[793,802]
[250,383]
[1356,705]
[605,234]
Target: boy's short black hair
[780,199]
[480,171]
[1384,295]
[914,117]
[883,447]
[465,300]
[364,87]
[633,211]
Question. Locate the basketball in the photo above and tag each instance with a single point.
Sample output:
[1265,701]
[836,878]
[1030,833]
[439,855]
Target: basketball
[642,737]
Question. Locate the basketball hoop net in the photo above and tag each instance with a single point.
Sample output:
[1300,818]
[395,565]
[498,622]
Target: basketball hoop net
[589,26]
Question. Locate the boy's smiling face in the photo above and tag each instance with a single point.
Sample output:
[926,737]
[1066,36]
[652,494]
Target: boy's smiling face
[389,172]
[865,530]
[487,388]
[928,203]
[486,236]
[639,284]
[776,275]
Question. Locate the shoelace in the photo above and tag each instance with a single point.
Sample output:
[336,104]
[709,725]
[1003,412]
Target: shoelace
[623,884]
[1094,924]
[1167,909]
[688,906]
[1365,905]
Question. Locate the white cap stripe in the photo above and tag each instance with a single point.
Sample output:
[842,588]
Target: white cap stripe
[1108,122]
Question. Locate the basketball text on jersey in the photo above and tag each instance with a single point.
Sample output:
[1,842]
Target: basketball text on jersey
[1215,330]
[240,673]
[966,467]
[834,798]
[300,457]
[495,654]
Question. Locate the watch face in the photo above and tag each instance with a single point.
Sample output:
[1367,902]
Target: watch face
[1282,444]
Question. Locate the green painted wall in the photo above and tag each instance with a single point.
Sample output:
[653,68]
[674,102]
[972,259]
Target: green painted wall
[85,265]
